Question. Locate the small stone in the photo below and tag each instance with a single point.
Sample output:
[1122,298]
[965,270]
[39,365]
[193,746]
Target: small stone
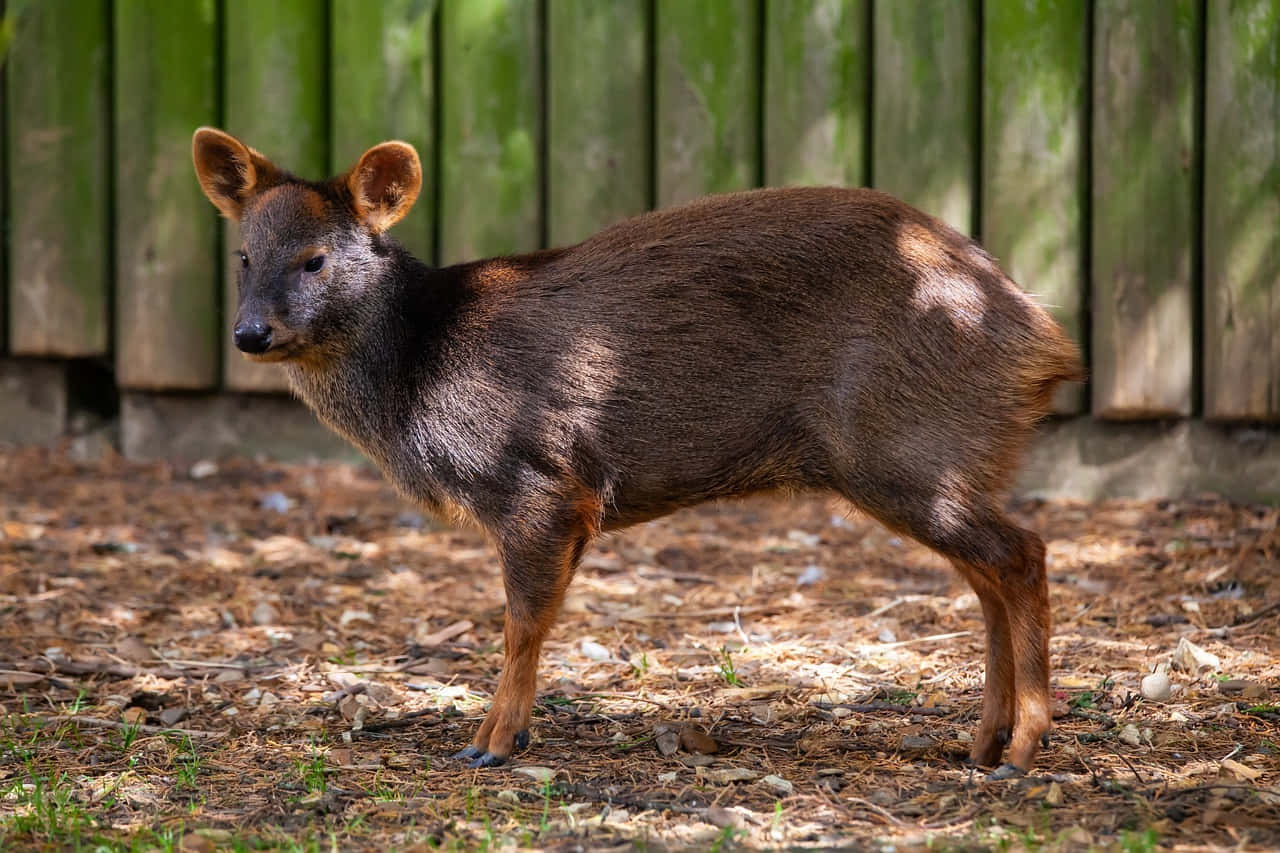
[509,796]
[722,817]
[537,774]
[915,743]
[1191,658]
[349,616]
[1053,796]
[275,502]
[229,676]
[265,614]
[812,574]
[1130,735]
[668,742]
[173,716]
[595,651]
[729,775]
[202,469]
[1156,687]
[268,699]
[778,785]
[668,778]
[252,695]
[694,739]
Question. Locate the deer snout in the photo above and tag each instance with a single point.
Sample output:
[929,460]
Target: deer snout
[252,336]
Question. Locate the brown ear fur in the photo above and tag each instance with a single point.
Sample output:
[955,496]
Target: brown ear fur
[385,184]
[229,171]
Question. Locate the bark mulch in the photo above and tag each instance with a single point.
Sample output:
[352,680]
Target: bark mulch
[251,655]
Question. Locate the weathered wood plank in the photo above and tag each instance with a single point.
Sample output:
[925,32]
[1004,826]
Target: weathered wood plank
[708,98]
[1034,190]
[925,127]
[383,89]
[1242,211]
[598,114]
[58,179]
[1143,206]
[490,134]
[816,92]
[167,283]
[275,74]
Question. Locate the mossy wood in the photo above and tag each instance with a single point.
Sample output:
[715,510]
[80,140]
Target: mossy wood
[816,92]
[1034,144]
[167,239]
[59,177]
[708,98]
[1242,211]
[925,127]
[1144,195]
[491,132]
[383,88]
[598,115]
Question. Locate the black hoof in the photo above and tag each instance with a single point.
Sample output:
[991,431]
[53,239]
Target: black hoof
[488,759]
[1044,740]
[1006,771]
[522,739]
[468,753]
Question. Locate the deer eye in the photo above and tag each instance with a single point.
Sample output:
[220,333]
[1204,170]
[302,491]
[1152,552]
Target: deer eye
[314,264]
[244,259]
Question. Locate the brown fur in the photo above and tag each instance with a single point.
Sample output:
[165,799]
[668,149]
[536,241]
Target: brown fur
[780,340]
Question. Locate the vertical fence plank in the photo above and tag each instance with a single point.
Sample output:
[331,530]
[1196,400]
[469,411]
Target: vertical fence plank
[59,179]
[598,159]
[815,92]
[708,98]
[1035,98]
[1143,206]
[383,89]
[167,284]
[275,74]
[1242,211]
[490,134]
[925,126]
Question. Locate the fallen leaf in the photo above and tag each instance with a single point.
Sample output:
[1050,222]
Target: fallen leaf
[536,773]
[445,634]
[694,739]
[1241,771]
[728,775]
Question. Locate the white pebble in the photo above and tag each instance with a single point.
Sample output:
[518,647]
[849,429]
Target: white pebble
[1156,687]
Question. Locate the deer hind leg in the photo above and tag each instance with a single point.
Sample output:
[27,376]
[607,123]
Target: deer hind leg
[538,562]
[1005,566]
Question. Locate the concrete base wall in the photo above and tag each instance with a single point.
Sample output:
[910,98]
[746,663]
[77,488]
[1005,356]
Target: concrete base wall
[33,401]
[1087,458]
[188,427]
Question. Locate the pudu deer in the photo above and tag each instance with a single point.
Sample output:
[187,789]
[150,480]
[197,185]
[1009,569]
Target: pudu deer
[790,340]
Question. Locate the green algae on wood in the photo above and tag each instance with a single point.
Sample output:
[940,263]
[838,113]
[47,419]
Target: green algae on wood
[59,177]
[1143,206]
[383,89]
[1035,102]
[925,126]
[167,236]
[490,134]
[816,92]
[598,115]
[707,99]
[1242,211]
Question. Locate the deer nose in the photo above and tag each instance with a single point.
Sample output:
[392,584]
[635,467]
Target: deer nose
[252,337]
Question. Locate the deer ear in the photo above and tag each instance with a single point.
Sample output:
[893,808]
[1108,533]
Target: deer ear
[229,171]
[385,184]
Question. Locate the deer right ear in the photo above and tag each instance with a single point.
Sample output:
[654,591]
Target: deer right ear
[229,171]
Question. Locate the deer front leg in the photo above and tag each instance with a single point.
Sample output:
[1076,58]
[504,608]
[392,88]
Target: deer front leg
[536,572]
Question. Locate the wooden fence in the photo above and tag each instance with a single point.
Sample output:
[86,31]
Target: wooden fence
[1121,157]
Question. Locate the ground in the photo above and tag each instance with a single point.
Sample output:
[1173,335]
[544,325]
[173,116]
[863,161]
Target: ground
[249,655]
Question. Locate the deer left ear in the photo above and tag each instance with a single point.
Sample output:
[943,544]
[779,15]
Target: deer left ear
[385,184]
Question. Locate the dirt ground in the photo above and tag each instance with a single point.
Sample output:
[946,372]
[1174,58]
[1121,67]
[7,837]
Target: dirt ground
[249,656]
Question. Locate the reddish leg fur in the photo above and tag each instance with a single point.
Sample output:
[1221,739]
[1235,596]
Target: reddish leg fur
[537,570]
